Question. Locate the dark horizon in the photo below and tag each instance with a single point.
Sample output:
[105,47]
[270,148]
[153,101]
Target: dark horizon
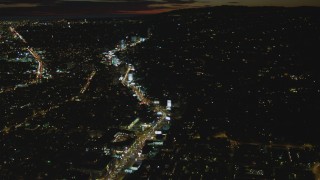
[105,16]
[105,8]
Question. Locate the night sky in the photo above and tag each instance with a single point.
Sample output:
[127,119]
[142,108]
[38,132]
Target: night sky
[109,7]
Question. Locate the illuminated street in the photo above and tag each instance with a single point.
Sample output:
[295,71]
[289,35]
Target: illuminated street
[133,153]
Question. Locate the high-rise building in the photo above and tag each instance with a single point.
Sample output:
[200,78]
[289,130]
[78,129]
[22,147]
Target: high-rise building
[133,38]
[130,77]
[122,44]
[169,104]
[115,61]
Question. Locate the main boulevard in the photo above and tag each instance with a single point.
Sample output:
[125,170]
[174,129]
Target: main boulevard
[133,153]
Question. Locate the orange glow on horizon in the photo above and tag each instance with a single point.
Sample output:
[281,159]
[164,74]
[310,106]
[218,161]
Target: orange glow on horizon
[153,11]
